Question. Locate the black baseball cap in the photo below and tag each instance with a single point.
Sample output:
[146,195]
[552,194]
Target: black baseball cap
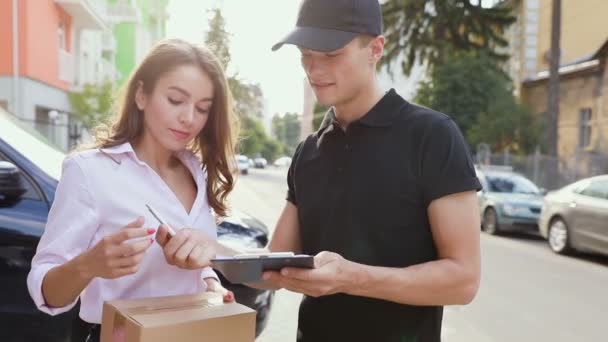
[328,25]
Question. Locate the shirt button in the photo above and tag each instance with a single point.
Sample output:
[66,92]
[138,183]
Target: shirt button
[340,169]
[347,147]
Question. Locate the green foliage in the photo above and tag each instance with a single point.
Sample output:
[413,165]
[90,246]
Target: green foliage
[478,95]
[423,31]
[286,129]
[248,97]
[218,39]
[93,104]
[254,141]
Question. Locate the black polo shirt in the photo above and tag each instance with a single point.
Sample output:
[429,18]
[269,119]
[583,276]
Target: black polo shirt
[363,193]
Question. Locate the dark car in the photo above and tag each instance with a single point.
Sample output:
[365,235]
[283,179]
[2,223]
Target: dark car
[260,163]
[575,217]
[508,201]
[29,173]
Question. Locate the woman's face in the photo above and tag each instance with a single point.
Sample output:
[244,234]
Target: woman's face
[178,108]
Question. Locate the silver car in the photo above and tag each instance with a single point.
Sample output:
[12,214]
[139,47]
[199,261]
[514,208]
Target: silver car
[575,218]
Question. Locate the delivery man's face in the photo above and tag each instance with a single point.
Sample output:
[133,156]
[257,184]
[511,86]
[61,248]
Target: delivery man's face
[339,76]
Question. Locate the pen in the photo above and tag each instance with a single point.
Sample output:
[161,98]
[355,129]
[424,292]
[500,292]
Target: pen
[161,221]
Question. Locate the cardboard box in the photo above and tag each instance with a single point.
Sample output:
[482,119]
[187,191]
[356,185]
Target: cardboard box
[201,317]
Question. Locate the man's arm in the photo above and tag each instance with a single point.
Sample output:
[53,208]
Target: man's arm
[452,279]
[286,237]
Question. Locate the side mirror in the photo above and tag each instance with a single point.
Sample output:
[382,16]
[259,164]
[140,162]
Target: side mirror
[11,184]
[543,191]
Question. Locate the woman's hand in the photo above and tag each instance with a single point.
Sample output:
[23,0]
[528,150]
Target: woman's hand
[213,285]
[189,248]
[115,256]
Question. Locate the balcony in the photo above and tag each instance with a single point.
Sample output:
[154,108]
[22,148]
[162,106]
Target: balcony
[66,66]
[123,12]
[88,14]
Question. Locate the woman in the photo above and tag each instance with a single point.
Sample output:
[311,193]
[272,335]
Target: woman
[170,148]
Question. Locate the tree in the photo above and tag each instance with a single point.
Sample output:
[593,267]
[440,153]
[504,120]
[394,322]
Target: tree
[478,95]
[93,105]
[218,39]
[248,97]
[506,124]
[286,129]
[252,136]
[423,31]
[463,87]
[254,141]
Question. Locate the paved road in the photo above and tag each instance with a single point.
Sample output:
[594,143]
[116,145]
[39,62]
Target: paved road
[527,293]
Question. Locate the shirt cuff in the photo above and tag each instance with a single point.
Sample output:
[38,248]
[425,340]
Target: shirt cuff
[208,272]
[34,284]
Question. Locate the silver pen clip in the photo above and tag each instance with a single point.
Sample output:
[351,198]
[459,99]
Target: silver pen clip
[161,221]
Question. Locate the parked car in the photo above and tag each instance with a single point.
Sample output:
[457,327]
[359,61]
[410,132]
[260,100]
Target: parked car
[260,163]
[29,173]
[282,162]
[242,163]
[575,217]
[508,201]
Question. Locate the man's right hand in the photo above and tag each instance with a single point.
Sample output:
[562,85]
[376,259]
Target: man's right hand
[115,256]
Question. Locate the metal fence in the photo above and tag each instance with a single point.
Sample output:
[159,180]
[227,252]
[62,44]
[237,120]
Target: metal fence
[546,171]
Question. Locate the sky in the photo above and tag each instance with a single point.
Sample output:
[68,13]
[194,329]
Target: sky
[254,25]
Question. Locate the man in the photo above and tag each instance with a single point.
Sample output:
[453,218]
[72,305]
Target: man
[383,194]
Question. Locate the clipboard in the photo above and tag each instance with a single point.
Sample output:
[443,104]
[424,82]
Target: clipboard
[249,268]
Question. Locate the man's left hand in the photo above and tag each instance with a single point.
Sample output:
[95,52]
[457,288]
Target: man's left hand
[332,274]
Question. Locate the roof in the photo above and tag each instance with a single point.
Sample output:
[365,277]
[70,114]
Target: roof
[589,63]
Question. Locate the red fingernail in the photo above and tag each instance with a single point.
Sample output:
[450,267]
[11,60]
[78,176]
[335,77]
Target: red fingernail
[151,230]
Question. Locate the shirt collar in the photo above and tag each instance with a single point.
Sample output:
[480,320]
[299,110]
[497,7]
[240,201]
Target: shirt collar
[127,149]
[382,114]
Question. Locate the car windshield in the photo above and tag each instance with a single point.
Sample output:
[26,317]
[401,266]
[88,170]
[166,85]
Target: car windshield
[511,184]
[31,144]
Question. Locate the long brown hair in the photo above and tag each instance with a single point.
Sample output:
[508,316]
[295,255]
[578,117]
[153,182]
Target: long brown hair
[214,144]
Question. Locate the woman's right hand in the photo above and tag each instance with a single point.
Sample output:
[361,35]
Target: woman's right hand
[114,256]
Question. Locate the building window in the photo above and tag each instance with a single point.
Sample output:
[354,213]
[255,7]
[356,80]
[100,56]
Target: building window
[61,36]
[584,128]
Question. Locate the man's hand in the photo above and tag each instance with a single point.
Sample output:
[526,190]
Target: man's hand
[332,274]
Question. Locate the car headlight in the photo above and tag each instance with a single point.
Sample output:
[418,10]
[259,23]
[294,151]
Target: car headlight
[514,210]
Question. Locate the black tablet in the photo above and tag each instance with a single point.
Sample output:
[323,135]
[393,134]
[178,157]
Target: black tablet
[249,269]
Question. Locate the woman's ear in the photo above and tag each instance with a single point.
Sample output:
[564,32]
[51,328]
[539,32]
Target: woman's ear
[140,96]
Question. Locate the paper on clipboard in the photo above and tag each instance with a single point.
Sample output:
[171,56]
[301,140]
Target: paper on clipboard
[249,268]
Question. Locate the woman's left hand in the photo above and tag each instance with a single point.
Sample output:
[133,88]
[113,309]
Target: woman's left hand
[214,286]
[189,249]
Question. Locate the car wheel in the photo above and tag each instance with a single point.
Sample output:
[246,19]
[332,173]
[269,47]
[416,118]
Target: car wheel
[490,222]
[559,237]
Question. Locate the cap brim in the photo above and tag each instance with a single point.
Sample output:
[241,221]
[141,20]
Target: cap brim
[317,39]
